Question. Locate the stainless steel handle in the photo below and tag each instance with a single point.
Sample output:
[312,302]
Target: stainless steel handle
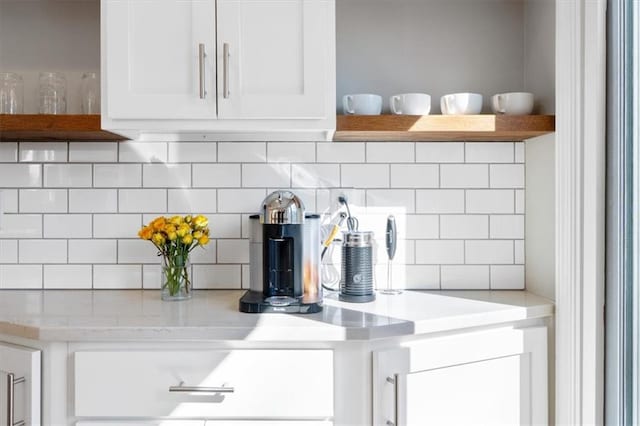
[394,382]
[201,389]
[201,56]
[225,75]
[11,383]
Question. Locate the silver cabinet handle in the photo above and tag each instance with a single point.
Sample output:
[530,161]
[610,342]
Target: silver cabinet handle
[11,383]
[201,389]
[394,382]
[225,76]
[201,56]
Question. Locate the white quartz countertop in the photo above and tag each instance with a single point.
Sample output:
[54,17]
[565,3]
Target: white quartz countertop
[116,315]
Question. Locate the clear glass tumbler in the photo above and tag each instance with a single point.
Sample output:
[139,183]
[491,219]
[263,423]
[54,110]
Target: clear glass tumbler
[11,93]
[53,93]
[90,93]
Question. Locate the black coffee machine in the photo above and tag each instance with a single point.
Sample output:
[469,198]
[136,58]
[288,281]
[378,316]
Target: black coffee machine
[285,260]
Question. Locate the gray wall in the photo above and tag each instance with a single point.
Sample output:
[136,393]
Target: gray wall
[539,53]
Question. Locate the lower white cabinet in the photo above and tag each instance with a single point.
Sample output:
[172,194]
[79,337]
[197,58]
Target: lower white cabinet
[239,384]
[20,385]
[208,423]
[493,377]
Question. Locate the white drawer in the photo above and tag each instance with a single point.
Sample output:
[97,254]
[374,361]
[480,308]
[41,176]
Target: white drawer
[266,383]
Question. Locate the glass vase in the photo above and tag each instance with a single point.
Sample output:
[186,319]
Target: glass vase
[175,278]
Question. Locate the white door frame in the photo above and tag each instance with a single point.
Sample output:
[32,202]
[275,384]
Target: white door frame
[580,210]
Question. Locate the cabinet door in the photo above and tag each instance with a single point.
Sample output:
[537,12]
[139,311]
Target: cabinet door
[151,59]
[496,377]
[274,58]
[23,365]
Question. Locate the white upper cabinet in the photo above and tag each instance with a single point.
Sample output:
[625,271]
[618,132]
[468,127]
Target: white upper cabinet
[207,68]
[272,58]
[159,58]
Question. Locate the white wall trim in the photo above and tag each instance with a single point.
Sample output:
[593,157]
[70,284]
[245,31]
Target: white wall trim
[580,203]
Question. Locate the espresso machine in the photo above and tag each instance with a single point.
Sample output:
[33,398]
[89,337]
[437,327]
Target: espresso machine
[284,258]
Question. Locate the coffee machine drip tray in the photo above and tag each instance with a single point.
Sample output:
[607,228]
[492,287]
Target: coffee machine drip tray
[254,302]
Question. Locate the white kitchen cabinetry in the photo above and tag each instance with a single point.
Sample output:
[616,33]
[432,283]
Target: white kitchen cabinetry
[204,68]
[486,377]
[19,385]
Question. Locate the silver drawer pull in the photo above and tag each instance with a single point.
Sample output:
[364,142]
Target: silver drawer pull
[11,383]
[201,389]
[201,65]
[225,71]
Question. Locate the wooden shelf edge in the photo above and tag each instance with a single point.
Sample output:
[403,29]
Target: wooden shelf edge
[44,127]
[442,128]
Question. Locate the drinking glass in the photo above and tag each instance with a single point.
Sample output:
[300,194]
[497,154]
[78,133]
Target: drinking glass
[90,93]
[53,93]
[11,93]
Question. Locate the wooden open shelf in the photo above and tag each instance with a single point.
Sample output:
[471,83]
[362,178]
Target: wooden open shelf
[43,127]
[442,127]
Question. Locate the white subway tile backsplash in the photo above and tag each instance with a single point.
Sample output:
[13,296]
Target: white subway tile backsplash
[240,200]
[440,201]
[266,175]
[438,152]
[217,276]
[8,152]
[67,277]
[384,152]
[93,152]
[21,226]
[93,200]
[507,277]
[8,251]
[396,201]
[116,225]
[506,175]
[471,277]
[489,152]
[67,175]
[246,277]
[142,152]
[233,251]
[166,175]
[43,152]
[519,152]
[464,176]
[225,225]
[315,175]
[192,152]
[9,201]
[151,277]
[415,176]
[142,200]
[365,175]
[490,201]
[421,227]
[137,251]
[245,152]
[117,175]
[216,175]
[520,201]
[507,226]
[464,227]
[192,200]
[67,226]
[485,252]
[204,254]
[291,152]
[42,251]
[117,276]
[337,152]
[444,252]
[43,200]
[421,277]
[92,251]
[518,247]
[20,276]
[20,175]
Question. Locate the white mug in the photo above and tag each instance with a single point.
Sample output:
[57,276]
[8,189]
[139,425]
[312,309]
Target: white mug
[512,103]
[362,104]
[410,104]
[461,104]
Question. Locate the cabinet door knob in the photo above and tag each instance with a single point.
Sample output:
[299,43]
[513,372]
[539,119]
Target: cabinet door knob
[201,389]
[11,383]
[202,54]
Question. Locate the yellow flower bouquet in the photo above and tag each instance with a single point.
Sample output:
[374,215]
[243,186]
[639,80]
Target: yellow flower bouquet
[175,238]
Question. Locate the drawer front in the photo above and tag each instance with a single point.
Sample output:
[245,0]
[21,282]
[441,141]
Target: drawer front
[266,383]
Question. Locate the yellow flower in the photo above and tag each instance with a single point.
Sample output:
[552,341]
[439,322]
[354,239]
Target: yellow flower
[158,239]
[158,223]
[200,222]
[168,228]
[203,241]
[188,218]
[146,233]
[187,239]
[172,235]
[176,220]
[197,235]
[183,230]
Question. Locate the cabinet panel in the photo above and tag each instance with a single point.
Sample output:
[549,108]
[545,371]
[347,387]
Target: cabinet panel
[151,55]
[273,58]
[266,384]
[25,365]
